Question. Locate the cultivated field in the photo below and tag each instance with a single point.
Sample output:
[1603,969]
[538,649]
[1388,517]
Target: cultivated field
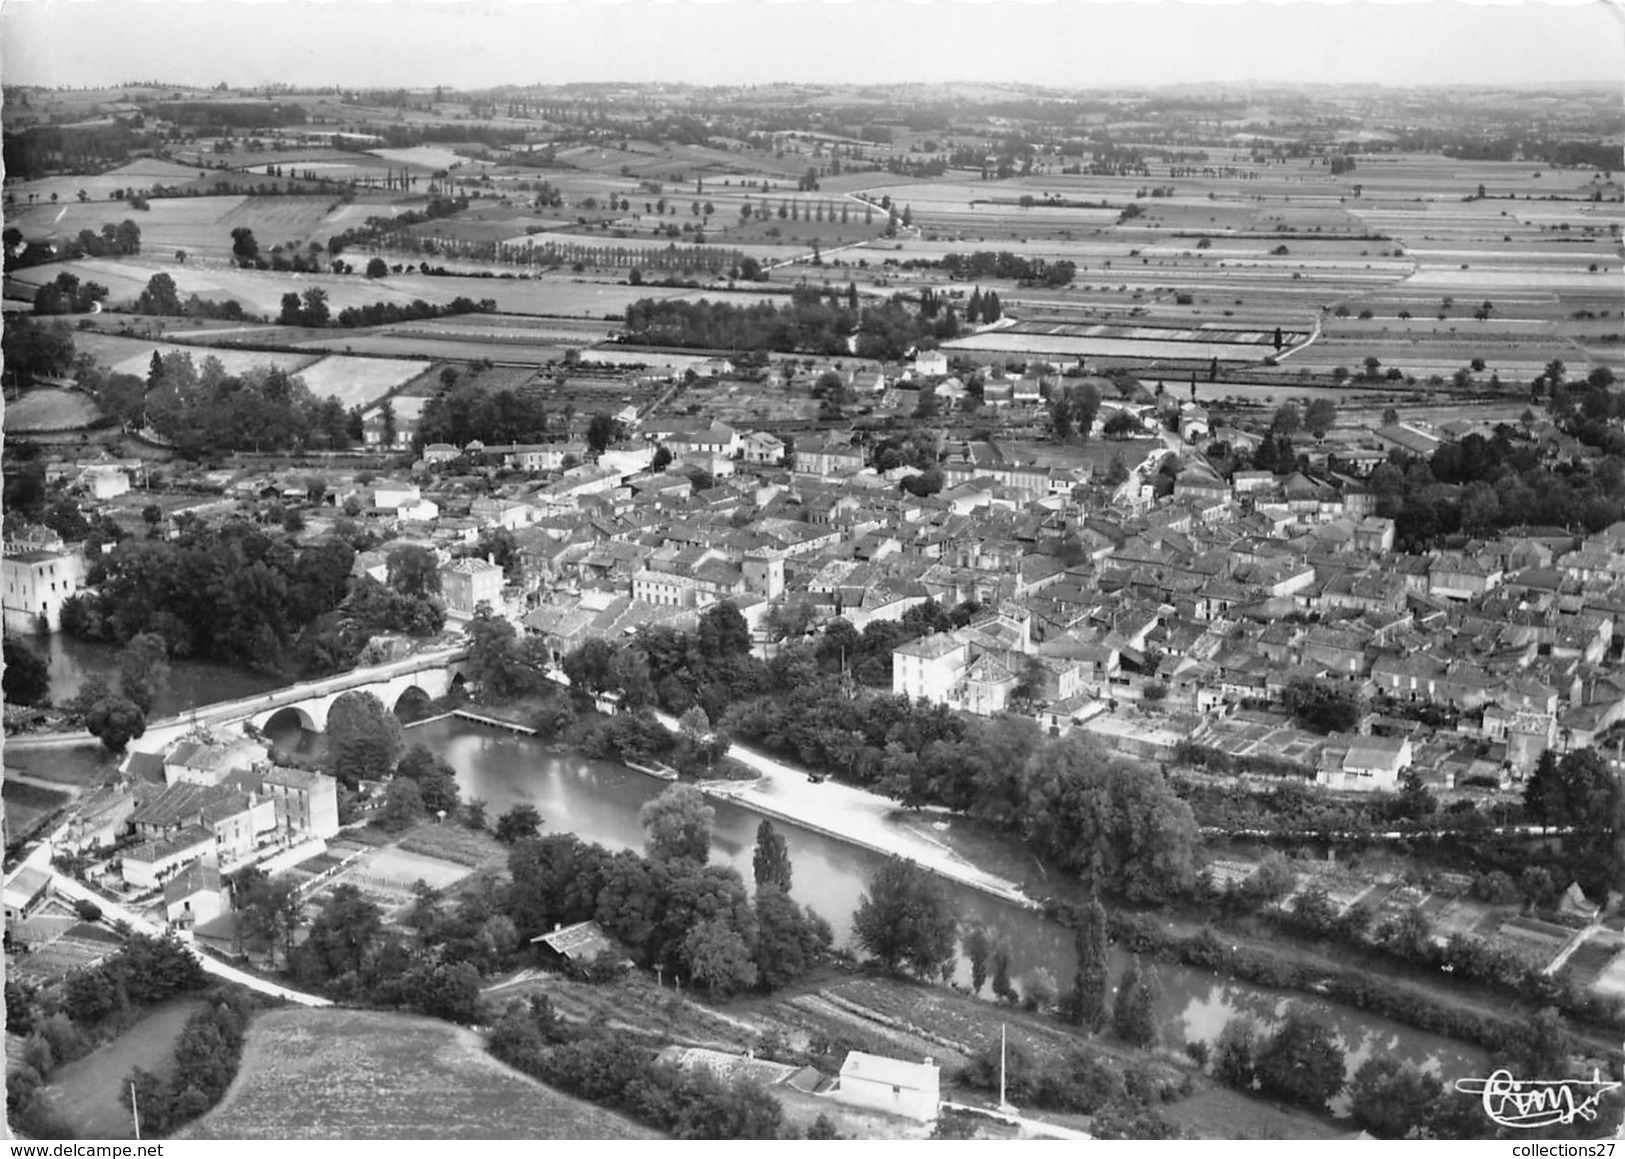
[46,409]
[326,1074]
[358,381]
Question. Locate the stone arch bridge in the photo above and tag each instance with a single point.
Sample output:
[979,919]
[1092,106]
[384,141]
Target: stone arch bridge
[424,677]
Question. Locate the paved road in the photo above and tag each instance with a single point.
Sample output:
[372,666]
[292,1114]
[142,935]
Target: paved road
[113,911]
[161,732]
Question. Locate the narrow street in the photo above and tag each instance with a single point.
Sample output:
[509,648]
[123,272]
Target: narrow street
[40,859]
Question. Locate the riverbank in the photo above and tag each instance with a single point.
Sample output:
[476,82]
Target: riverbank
[852,815]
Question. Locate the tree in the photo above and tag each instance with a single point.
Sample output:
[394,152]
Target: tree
[1121,425]
[678,826]
[364,739]
[414,571]
[115,721]
[1124,828]
[144,668]
[314,311]
[977,949]
[377,268]
[1322,706]
[161,296]
[1003,989]
[1301,1062]
[1287,420]
[269,911]
[718,957]
[518,824]
[342,937]
[723,632]
[1087,1003]
[403,804]
[771,861]
[1320,417]
[905,919]
[1389,1097]
[244,247]
[1235,1052]
[788,939]
[27,677]
[602,431]
[1134,1015]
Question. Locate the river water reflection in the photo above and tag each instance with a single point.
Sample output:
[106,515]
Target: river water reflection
[191,683]
[599,802]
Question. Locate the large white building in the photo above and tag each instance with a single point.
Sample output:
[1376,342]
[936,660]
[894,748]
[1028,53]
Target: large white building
[910,1089]
[37,582]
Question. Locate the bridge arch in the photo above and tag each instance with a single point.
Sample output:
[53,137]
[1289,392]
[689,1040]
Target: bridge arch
[412,703]
[289,716]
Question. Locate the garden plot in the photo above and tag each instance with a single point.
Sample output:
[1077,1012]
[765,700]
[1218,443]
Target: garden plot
[357,382]
[1610,980]
[1532,940]
[394,868]
[1593,961]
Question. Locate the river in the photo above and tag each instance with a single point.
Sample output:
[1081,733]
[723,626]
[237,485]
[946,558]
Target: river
[191,683]
[599,801]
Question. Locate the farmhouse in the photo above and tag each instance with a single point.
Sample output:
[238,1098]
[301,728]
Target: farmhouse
[911,1089]
[25,892]
[574,948]
[196,894]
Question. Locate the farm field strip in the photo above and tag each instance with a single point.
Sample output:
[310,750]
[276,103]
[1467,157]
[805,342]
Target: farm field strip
[1109,347]
[358,381]
[366,1075]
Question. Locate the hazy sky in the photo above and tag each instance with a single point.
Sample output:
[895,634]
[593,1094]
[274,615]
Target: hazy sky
[474,43]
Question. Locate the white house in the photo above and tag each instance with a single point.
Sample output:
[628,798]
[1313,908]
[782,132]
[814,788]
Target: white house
[37,583]
[929,363]
[1371,764]
[910,1089]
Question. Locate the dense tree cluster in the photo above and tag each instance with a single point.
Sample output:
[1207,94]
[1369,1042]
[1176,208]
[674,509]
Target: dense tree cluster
[206,1057]
[232,593]
[607,1069]
[32,349]
[27,676]
[67,295]
[813,322]
[987,264]
[1482,486]
[670,909]
[1322,706]
[1123,1098]
[63,1027]
[385,313]
[203,409]
[463,412]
